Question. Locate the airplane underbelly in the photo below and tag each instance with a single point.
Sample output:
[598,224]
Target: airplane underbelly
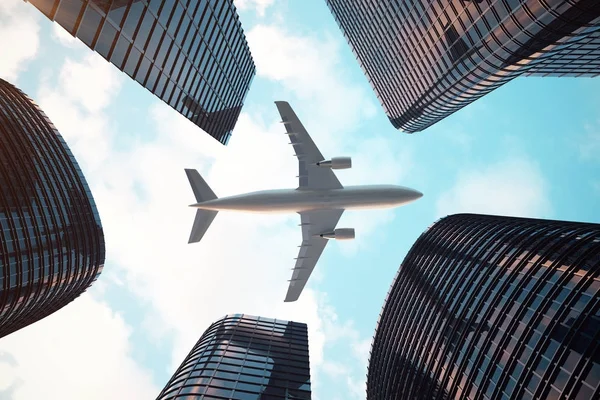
[297,201]
[271,203]
[348,203]
[368,203]
[369,206]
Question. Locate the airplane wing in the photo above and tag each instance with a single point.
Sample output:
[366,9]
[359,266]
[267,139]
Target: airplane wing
[310,175]
[312,223]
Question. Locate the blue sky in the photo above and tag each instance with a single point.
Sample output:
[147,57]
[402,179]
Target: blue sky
[530,148]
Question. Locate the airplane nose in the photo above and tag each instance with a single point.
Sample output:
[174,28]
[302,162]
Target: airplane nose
[417,194]
[411,194]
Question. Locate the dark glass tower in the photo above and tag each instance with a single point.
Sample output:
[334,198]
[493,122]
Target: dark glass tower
[192,54]
[428,59]
[487,307]
[51,240]
[244,357]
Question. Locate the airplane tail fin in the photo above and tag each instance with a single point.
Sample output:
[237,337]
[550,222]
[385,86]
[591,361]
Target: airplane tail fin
[202,191]
[203,218]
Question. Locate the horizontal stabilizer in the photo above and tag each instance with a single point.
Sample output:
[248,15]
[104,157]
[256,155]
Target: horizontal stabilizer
[203,193]
[201,223]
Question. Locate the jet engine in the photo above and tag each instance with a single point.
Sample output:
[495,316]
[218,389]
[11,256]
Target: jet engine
[336,163]
[339,234]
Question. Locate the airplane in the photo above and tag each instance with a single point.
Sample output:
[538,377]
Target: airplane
[320,199]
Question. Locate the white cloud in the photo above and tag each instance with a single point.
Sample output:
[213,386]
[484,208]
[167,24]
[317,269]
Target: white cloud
[19,31]
[353,368]
[457,136]
[10,380]
[358,387]
[91,83]
[79,352]
[259,5]
[63,37]
[514,187]
[361,350]
[335,369]
[589,143]
[310,67]
[76,107]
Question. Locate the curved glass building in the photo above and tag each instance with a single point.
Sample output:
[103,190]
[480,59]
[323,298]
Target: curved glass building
[51,240]
[244,357]
[488,307]
[427,59]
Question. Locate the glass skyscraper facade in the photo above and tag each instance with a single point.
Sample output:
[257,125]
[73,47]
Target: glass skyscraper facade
[51,239]
[243,357]
[488,307]
[428,59]
[192,54]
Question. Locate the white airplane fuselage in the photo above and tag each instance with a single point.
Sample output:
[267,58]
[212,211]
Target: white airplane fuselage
[297,200]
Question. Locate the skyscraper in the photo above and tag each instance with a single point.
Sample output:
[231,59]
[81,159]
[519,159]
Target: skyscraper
[51,239]
[245,357]
[428,59]
[192,54]
[488,307]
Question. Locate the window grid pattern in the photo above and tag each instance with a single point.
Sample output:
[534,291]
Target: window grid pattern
[192,54]
[244,357]
[487,307]
[51,239]
[434,57]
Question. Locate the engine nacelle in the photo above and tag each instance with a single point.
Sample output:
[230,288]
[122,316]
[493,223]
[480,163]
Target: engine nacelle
[336,163]
[339,234]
